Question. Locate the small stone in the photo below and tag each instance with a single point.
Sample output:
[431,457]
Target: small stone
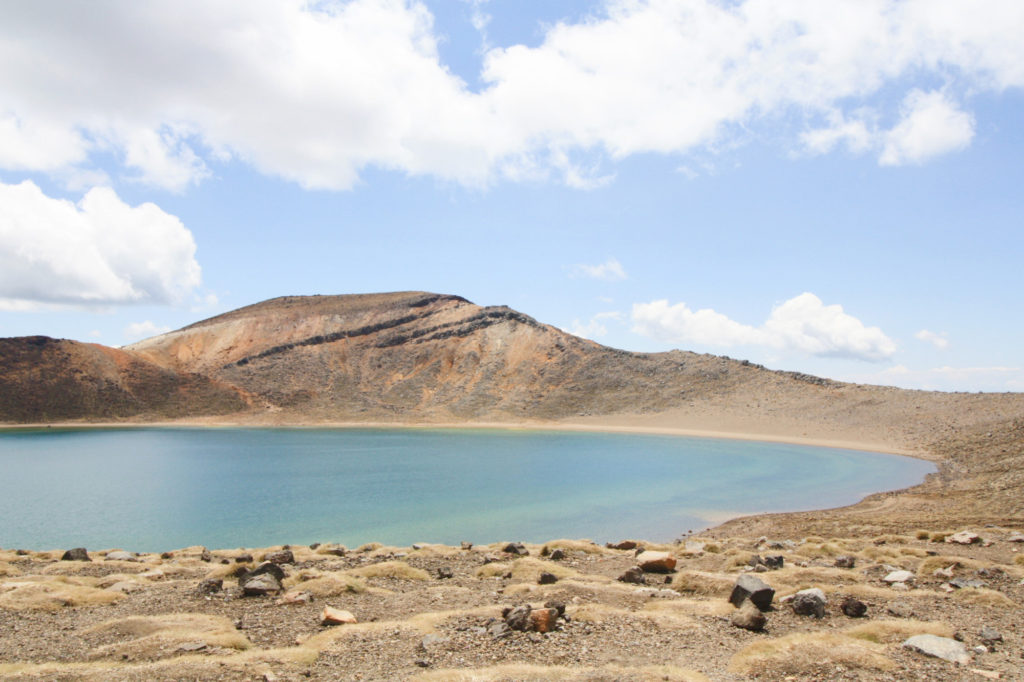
[167,555]
[964,538]
[543,620]
[125,587]
[210,586]
[845,561]
[557,606]
[656,562]
[515,548]
[76,554]
[433,640]
[417,546]
[1016,537]
[269,568]
[445,573]
[518,618]
[206,556]
[193,646]
[854,608]
[754,589]
[962,583]
[499,630]
[990,636]
[547,578]
[333,616]
[694,546]
[295,597]
[749,617]
[120,555]
[774,563]
[421,663]
[314,545]
[809,603]
[466,545]
[939,647]
[900,609]
[980,649]
[946,572]
[898,577]
[633,575]
[557,554]
[625,544]
[284,556]
[243,559]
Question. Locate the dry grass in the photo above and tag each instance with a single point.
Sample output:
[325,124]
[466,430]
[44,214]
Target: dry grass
[398,570]
[527,569]
[922,534]
[664,619]
[1019,559]
[819,550]
[882,554]
[702,583]
[369,547]
[983,596]
[323,584]
[889,631]
[798,578]
[7,570]
[814,655]
[691,607]
[577,546]
[51,593]
[154,637]
[929,565]
[524,672]
[221,571]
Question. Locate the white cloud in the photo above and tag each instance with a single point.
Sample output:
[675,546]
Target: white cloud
[931,125]
[144,329]
[803,324]
[99,251]
[611,271]
[315,92]
[596,327]
[938,340]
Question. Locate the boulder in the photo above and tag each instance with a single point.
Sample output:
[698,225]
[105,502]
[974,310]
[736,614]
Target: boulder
[259,585]
[557,554]
[206,556]
[749,617]
[1016,537]
[854,608]
[266,567]
[333,616]
[283,556]
[543,620]
[445,573]
[900,609]
[210,586]
[633,575]
[76,554]
[432,642]
[547,578]
[899,577]
[243,559]
[466,545]
[964,537]
[120,555]
[515,548]
[774,563]
[940,647]
[754,589]
[625,544]
[845,561]
[809,603]
[518,618]
[656,562]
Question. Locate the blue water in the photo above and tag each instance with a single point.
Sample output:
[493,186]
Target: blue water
[157,489]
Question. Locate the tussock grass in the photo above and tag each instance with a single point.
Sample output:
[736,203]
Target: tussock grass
[922,534]
[155,637]
[799,578]
[369,547]
[982,596]
[691,607]
[890,539]
[222,571]
[889,631]
[703,583]
[7,570]
[914,552]
[664,619]
[528,570]
[819,550]
[814,654]
[525,672]
[929,565]
[577,546]
[324,584]
[50,593]
[390,569]
[940,536]
[881,554]
[1019,559]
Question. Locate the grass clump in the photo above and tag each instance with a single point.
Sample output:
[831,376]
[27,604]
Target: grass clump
[813,655]
[574,546]
[155,637]
[326,584]
[51,593]
[889,631]
[398,570]
[982,596]
[1019,559]
[702,583]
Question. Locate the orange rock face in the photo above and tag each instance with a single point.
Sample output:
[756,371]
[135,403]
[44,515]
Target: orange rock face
[333,616]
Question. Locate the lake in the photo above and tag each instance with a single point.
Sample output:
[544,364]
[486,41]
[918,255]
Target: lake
[158,489]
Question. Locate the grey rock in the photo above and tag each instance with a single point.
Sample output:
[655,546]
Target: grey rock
[210,586]
[1016,537]
[633,575]
[809,603]
[260,585]
[754,589]
[432,641]
[845,561]
[964,538]
[939,647]
[961,583]
[120,555]
[898,577]
[499,630]
[774,563]
[445,573]
[854,608]
[466,545]
[547,578]
[990,636]
[518,618]
[900,609]
[749,617]
[243,559]
[267,567]
[557,606]
[515,548]
[557,554]
[76,554]
[206,556]
[283,556]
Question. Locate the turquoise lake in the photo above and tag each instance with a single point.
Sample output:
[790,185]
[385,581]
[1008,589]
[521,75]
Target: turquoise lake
[158,489]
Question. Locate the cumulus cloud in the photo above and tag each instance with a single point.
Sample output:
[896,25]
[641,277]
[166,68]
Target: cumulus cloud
[995,378]
[315,92]
[610,271]
[99,251]
[144,329]
[938,340]
[596,327]
[803,324]
[931,125]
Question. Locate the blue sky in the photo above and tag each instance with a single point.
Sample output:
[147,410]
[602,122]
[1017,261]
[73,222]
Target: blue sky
[829,187]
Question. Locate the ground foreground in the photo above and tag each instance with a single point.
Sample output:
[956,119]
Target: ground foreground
[431,612]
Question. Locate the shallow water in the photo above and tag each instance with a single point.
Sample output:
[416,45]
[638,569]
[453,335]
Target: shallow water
[156,489]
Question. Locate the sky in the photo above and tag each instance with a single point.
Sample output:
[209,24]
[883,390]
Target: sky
[824,186]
